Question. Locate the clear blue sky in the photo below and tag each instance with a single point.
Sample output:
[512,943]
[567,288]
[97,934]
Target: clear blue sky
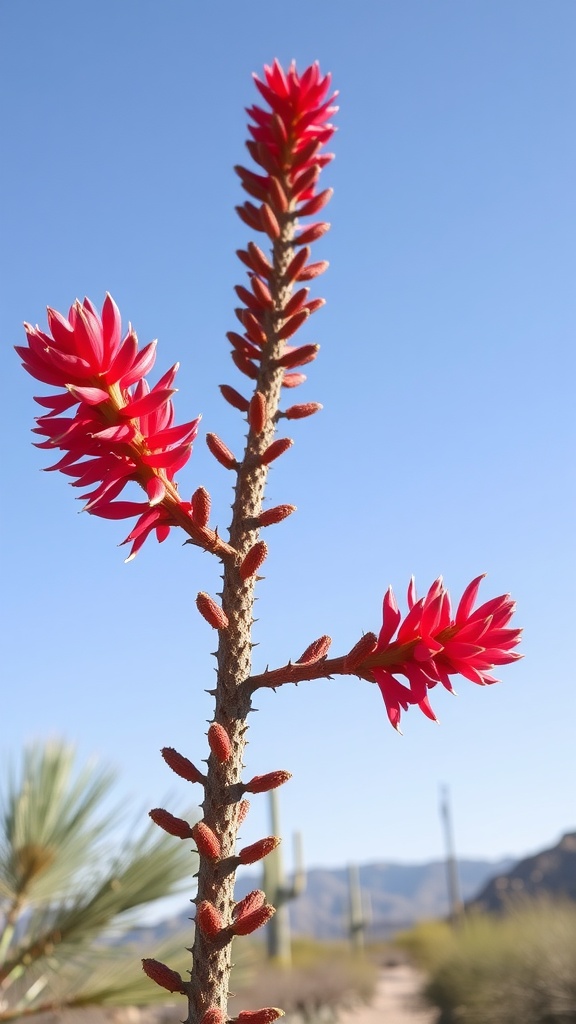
[447,372]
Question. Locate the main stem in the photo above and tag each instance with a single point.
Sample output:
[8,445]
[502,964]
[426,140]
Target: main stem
[212,957]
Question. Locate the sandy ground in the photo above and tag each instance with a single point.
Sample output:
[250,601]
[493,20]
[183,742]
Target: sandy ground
[395,1002]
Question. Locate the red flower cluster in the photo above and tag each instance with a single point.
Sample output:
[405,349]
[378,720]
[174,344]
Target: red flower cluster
[286,143]
[431,645]
[121,430]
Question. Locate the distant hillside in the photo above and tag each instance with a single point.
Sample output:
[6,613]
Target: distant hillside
[552,872]
[395,896]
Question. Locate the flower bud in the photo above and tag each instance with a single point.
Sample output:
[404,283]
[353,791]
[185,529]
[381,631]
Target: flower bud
[208,919]
[299,412]
[253,328]
[213,1015]
[200,506]
[312,234]
[260,262]
[264,783]
[221,453]
[293,380]
[251,902]
[258,850]
[296,302]
[277,194]
[289,327]
[234,397]
[250,214]
[219,742]
[253,560]
[163,975]
[316,204]
[249,923]
[315,651]
[275,450]
[207,843]
[181,765]
[211,611]
[245,365]
[247,297]
[299,356]
[266,1015]
[296,265]
[313,270]
[257,412]
[269,222]
[262,292]
[275,515]
[361,650]
[174,826]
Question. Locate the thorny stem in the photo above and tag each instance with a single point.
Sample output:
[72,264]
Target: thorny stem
[212,957]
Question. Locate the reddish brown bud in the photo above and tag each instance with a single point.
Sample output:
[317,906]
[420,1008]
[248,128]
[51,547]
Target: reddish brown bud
[245,365]
[221,453]
[243,808]
[289,327]
[234,397]
[299,412]
[219,742]
[306,179]
[253,560]
[296,302]
[243,345]
[253,328]
[361,650]
[275,515]
[316,204]
[208,919]
[257,851]
[277,195]
[313,270]
[275,450]
[200,506]
[163,975]
[269,222]
[279,129]
[260,262]
[293,380]
[312,234]
[250,214]
[266,1015]
[213,1015]
[252,901]
[315,304]
[262,292]
[211,611]
[181,765]
[299,356]
[257,412]
[249,923]
[208,844]
[247,297]
[255,184]
[315,651]
[264,783]
[297,263]
[174,826]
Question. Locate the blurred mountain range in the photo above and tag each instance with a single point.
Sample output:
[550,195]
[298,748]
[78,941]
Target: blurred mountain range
[551,872]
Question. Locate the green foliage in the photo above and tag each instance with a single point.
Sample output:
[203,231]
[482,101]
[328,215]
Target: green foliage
[521,967]
[64,896]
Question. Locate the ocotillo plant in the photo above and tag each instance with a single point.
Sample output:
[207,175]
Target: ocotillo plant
[277,890]
[113,429]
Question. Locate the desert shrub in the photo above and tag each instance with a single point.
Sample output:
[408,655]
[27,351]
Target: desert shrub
[504,970]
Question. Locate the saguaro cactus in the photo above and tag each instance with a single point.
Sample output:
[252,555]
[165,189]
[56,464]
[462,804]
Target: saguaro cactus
[278,892]
[356,917]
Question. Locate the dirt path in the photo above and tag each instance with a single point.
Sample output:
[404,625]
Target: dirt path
[395,1002]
